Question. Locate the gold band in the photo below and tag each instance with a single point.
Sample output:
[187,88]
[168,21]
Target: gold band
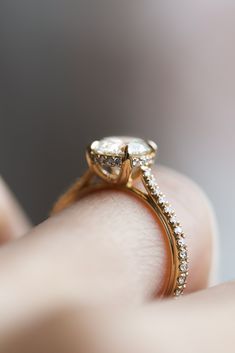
[151,195]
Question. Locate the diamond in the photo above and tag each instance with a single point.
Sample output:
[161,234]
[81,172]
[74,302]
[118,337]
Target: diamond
[96,159]
[117,161]
[178,230]
[156,191]
[147,173]
[169,209]
[184,266]
[116,146]
[136,162]
[162,199]
[102,159]
[181,242]
[143,161]
[110,145]
[181,280]
[183,254]
[178,292]
[173,220]
[138,146]
[152,182]
[110,162]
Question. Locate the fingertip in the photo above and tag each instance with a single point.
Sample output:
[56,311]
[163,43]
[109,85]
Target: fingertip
[13,220]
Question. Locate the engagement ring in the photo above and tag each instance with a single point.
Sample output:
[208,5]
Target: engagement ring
[120,162]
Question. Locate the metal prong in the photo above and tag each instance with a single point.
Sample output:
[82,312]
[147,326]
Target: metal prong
[152,145]
[89,157]
[94,145]
[126,153]
[126,168]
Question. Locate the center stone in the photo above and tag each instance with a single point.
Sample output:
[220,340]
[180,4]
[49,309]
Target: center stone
[116,146]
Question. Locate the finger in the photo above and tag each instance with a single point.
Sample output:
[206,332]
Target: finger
[108,248]
[13,220]
[201,322]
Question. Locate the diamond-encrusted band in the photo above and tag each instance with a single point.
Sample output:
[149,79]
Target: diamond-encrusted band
[168,213]
[118,162]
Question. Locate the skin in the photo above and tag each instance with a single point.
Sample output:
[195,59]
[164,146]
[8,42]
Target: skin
[86,279]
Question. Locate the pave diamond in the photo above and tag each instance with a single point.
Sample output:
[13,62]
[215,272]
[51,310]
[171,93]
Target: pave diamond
[156,191]
[178,292]
[184,266]
[183,254]
[181,242]
[178,230]
[147,173]
[173,220]
[152,182]
[169,209]
[108,161]
[162,200]
[169,213]
[181,280]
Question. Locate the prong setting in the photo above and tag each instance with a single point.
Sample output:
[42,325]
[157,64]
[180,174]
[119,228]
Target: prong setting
[153,145]
[117,157]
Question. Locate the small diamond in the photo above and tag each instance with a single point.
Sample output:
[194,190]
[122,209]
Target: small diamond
[178,292]
[169,210]
[149,161]
[96,159]
[152,182]
[173,220]
[147,173]
[143,161]
[136,162]
[184,266]
[102,159]
[181,280]
[181,241]
[178,230]
[162,200]
[183,254]
[110,161]
[117,161]
[156,191]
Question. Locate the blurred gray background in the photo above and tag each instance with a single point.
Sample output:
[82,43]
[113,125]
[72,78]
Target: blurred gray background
[72,71]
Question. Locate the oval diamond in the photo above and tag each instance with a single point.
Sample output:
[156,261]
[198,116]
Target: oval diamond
[116,146]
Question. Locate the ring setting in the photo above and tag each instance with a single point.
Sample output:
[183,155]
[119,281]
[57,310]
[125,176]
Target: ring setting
[118,162]
[115,159]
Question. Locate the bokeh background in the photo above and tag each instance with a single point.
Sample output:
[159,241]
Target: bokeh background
[72,71]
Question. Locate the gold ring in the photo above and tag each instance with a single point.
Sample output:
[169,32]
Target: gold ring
[119,162]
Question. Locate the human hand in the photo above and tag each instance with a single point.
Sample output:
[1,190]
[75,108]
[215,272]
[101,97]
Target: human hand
[85,280]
